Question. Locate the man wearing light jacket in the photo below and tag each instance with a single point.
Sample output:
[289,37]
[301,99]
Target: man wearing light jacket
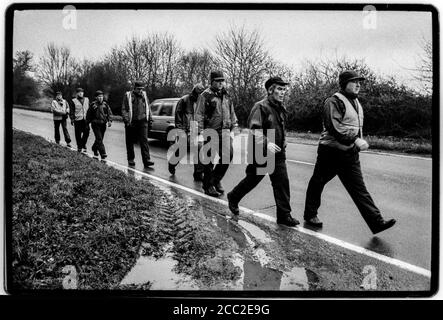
[78,110]
[338,154]
[137,117]
[60,111]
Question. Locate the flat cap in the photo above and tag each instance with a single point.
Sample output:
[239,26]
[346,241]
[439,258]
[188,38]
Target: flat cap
[275,80]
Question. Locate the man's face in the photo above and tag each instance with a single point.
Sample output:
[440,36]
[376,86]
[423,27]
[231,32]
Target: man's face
[218,84]
[279,93]
[59,97]
[353,87]
[100,98]
[80,94]
[138,90]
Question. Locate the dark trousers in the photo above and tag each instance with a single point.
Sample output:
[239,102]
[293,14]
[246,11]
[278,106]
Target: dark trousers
[280,185]
[81,133]
[99,130]
[345,164]
[211,174]
[57,124]
[137,131]
[198,167]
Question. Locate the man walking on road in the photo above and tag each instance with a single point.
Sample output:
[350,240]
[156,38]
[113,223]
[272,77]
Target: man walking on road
[215,111]
[79,108]
[60,111]
[99,115]
[338,154]
[137,117]
[184,114]
[268,115]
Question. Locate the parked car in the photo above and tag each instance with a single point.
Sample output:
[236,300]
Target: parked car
[163,117]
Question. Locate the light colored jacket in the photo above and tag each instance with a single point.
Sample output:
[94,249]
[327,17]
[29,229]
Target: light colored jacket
[59,111]
[342,122]
[127,107]
[79,110]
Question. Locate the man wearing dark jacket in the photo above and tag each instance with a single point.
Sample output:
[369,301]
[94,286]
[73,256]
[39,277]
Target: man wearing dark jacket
[268,115]
[77,113]
[99,115]
[137,117]
[215,111]
[184,115]
[338,154]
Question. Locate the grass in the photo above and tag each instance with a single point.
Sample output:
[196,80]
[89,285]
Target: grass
[376,143]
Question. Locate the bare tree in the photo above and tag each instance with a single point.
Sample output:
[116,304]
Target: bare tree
[195,67]
[241,55]
[424,66]
[57,68]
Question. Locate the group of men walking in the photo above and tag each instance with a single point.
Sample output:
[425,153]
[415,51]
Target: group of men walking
[212,109]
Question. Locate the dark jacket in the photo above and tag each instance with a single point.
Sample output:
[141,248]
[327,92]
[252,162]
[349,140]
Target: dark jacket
[215,110]
[184,112]
[128,107]
[267,115]
[99,113]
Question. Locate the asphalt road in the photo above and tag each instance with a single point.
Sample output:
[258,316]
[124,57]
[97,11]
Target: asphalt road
[400,186]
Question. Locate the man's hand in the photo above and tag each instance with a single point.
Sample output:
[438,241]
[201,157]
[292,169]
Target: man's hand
[273,147]
[361,144]
[109,124]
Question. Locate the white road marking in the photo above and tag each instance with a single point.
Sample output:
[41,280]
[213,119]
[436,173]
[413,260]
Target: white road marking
[396,262]
[302,162]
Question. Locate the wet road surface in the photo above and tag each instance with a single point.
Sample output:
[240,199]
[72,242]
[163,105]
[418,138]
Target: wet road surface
[400,186]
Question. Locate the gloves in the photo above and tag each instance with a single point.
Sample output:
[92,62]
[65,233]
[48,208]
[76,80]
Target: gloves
[361,144]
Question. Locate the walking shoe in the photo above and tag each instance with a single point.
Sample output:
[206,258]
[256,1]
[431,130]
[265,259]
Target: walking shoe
[84,150]
[68,145]
[104,156]
[212,192]
[314,222]
[148,163]
[79,150]
[171,168]
[218,187]
[382,225]
[96,154]
[288,221]
[232,205]
[198,177]
[131,163]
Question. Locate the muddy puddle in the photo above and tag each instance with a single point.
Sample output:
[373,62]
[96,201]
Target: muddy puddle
[256,270]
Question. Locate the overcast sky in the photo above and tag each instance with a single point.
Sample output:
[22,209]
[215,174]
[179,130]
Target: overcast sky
[290,36]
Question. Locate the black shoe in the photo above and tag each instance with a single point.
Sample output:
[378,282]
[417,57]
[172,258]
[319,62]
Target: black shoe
[198,177]
[218,187]
[68,145]
[288,221]
[131,163]
[382,225]
[79,150]
[314,222]
[212,192]
[232,205]
[84,150]
[148,163]
[96,154]
[104,156]
[171,168]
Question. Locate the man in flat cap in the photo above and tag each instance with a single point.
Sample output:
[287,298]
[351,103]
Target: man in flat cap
[99,115]
[215,111]
[60,112]
[79,108]
[338,154]
[268,117]
[137,117]
[184,116]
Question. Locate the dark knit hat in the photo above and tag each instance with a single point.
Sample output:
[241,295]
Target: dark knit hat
[98,92]
[217,75]
[80,90]
[347,76]
[139,84]
[58,92]
[275,80]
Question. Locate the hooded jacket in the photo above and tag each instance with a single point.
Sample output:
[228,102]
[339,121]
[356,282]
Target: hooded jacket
[99,113]
[184,112]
